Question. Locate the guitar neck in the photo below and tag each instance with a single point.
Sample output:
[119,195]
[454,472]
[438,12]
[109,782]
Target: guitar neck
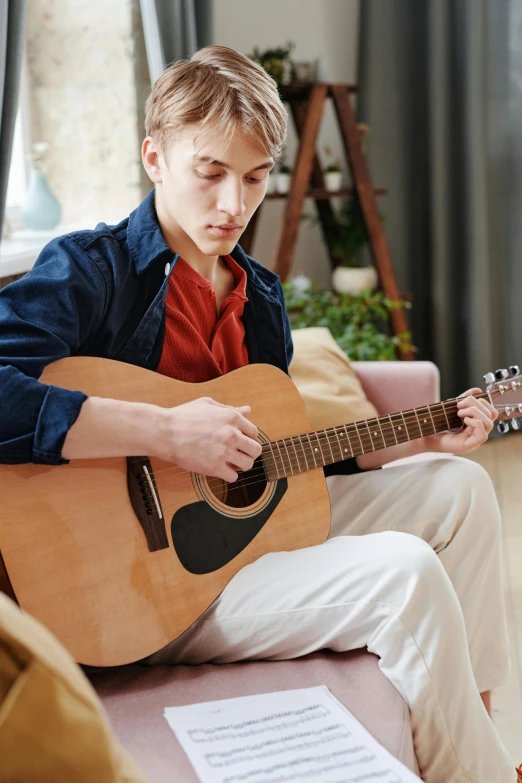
[300,453]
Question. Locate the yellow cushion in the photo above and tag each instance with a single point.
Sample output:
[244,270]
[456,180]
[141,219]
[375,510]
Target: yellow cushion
[52,726]
[330,389]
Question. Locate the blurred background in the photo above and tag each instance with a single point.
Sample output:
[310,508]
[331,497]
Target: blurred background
[439,85]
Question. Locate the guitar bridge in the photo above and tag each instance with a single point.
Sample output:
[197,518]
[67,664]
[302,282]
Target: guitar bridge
[145,500]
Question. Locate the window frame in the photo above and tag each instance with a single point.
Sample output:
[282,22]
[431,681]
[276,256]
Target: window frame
[13,212]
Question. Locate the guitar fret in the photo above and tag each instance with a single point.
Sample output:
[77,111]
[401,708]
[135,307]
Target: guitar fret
[335,433]
[370,434]
[428,408]
[274,460]
[393,429]
[290,465]
[302,451]
[278,444]
[399,429]
[426,423]
[455,420]
[418,421]
[311,449]
[318,452]
[406,426]
[382,434]
[446,415]
[295,452]
[329,447]
[349,441]
[359,436]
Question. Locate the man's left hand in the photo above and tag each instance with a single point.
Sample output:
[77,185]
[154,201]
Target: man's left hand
[477,422]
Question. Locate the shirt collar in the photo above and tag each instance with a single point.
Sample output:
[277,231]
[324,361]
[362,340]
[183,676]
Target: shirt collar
[147,243]
[144,237]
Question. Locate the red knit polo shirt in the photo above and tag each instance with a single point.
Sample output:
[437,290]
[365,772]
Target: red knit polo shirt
[200,343]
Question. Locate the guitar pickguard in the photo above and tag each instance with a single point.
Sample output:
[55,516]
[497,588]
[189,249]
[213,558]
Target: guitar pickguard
[206,540]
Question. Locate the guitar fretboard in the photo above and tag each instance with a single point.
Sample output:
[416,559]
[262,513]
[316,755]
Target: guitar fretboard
[299,453]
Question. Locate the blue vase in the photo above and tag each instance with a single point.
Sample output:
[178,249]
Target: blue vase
[41,209]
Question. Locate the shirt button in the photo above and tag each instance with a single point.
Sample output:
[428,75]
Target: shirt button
[167,269]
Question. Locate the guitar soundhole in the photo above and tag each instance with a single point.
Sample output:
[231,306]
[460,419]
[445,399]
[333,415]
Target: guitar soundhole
[244,492]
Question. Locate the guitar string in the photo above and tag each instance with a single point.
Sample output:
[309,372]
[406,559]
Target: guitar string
[323,437]
[322,440]
[294,460]
[259,475]
[357,432]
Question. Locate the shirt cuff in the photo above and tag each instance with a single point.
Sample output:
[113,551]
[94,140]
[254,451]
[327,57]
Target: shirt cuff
[59,411]
[345,468]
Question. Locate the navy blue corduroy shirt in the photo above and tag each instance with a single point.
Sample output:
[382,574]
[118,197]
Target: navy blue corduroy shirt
[102,293]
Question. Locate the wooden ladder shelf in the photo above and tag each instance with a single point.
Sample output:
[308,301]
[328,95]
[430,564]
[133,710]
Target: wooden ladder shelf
[306,104]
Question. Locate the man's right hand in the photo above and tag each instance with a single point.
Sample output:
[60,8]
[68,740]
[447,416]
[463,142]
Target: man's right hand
[207,437]
[202,436]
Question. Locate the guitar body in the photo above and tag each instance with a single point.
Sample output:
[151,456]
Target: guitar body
[77,556]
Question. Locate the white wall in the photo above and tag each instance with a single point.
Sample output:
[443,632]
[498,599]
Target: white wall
[323,29]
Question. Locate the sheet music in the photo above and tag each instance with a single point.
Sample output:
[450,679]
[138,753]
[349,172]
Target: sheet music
[305,735]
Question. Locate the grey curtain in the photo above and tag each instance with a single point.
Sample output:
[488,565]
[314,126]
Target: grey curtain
[441,87]
[12,19]
[174,30]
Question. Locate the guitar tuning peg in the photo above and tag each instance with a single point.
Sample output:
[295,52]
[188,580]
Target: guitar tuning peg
[501,375]
[516,424]
[503,427]
[513,369]
[489,378]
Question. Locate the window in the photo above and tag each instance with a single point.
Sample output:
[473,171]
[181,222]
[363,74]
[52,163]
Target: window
[18,171]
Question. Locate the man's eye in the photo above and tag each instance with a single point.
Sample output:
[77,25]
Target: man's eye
[215,176]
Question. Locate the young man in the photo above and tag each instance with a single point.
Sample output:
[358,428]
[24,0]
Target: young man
[412,567]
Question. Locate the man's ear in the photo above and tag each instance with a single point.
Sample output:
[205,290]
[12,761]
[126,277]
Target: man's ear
[150,155]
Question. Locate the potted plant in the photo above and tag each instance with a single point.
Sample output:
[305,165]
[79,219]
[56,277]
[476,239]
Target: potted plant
[283,176]
[347,237]
[332,173]
[276,62]
[360,322]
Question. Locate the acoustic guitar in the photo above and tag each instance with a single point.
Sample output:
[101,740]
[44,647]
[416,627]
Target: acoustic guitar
[117,557]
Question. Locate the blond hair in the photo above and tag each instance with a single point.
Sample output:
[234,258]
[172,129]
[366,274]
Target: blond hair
[223,90]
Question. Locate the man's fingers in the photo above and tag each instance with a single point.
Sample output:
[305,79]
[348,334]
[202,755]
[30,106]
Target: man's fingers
[477,414]
[243,409]
[246,427]
[467,393]
[252,448]
[239,460]
[488,409]
[478,434]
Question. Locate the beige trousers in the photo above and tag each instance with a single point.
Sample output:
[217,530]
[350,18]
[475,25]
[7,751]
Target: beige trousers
[412,570]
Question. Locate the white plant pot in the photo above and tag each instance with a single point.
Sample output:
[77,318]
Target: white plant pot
[283,183]
[333,181]
[351,280]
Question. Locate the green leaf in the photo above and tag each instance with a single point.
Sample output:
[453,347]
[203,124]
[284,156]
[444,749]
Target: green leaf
[360,323]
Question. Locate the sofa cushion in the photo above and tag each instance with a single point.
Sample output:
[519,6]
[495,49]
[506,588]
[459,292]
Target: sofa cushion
[135,697]
[330,389]
[52,727]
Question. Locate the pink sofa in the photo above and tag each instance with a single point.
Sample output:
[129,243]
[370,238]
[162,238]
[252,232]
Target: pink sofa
[135,696]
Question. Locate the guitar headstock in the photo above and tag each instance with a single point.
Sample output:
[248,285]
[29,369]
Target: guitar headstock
[504,388]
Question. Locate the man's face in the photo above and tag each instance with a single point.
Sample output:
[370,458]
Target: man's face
[198,191]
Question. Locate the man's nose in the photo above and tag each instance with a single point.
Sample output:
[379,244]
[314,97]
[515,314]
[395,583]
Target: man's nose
[231,198]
